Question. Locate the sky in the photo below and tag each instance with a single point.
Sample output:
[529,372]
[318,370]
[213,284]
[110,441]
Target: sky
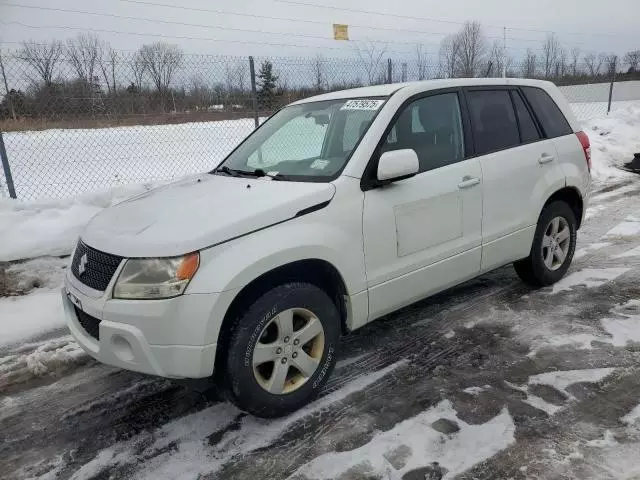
[303,28]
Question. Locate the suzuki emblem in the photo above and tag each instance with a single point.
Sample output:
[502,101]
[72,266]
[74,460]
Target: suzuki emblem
[83,264]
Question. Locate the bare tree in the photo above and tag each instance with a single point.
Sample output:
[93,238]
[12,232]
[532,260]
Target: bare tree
[529,65]
[241,77]
[472,49]
[108,61]
[235,78]
[161,60]
[370,56]
[84,52]
[42,57]
[229,78]
[602,60]
[201,93]
[138,69]
[497,60]
[317,68]
[632,59]
[550,53]
[562,61]
[449,55]
[590,60]
[575,58]
[421,62]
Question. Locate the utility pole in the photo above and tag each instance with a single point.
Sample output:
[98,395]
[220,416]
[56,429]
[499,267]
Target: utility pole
[504,52]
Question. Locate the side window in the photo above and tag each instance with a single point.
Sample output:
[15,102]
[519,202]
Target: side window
[432,127]
[528,130]
[551,117]
[493,120]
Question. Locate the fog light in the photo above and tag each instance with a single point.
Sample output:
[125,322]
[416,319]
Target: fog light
[122,348]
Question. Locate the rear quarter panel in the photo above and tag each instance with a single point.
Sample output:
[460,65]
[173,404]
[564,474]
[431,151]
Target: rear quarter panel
[570,151]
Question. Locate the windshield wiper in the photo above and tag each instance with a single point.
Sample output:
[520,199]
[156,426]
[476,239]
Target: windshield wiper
[229,171]
[258,173]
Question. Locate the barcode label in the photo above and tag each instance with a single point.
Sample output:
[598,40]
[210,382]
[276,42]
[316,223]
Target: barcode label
[362,104]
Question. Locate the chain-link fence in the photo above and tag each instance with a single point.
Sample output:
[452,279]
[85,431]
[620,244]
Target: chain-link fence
[73,123]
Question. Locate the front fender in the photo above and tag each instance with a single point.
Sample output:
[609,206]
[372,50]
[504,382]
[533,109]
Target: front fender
[333,234]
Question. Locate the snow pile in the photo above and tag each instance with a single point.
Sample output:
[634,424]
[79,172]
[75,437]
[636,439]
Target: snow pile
[413,443]
[42,272]
[614,140]
[33,229]
[49,358]
[30,315]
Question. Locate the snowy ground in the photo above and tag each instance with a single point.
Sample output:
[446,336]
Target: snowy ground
[488,380]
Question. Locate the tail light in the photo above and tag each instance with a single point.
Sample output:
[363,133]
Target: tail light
[586,146]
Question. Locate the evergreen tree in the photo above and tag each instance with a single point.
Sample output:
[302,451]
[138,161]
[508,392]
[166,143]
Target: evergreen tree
[267,86]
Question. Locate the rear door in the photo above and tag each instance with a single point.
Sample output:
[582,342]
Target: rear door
[515,161]
[555,125]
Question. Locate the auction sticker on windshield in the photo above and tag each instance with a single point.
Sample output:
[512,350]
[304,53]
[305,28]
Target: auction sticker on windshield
[362,104]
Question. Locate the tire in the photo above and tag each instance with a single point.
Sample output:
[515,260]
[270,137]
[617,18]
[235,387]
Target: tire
[533,270]
[255,388]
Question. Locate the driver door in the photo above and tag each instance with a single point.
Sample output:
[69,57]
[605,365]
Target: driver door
[423,234]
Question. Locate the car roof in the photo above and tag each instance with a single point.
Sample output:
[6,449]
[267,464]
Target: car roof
[425,85]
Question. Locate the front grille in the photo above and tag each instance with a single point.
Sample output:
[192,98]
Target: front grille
[90,324]
[98,266]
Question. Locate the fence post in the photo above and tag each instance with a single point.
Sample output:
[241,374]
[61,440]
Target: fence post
[404,71]
[613,79]
[389,71]
[7,169]
[254,95]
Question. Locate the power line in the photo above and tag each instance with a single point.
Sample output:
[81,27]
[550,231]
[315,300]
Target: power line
[302,20]
[199,25]
[244,30]
[181,37]
[413,17]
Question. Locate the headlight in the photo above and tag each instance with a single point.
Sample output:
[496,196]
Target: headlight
[150,278]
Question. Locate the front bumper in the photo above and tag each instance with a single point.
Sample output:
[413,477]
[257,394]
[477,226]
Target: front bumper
[159,337]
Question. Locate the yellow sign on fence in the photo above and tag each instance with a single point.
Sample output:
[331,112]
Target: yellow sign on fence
[340,32]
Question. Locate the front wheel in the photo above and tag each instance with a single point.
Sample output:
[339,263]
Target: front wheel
[283,350]
[553,246]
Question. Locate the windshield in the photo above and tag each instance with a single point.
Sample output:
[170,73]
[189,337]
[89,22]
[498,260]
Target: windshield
[306,142]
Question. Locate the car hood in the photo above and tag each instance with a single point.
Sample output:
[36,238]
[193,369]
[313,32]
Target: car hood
[198,212]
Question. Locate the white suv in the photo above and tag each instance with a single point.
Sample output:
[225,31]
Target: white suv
[339,209]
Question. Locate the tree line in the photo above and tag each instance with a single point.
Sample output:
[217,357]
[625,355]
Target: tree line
[85,76]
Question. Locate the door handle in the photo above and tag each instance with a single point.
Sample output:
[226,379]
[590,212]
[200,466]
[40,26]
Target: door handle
[468,181]
[546,158]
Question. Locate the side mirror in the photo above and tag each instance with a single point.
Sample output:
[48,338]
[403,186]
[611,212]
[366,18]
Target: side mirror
[397,165]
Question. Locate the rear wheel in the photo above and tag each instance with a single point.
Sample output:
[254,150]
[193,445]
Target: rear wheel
[283,350]
[553,246]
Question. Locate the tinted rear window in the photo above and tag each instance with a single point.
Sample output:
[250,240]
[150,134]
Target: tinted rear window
[553,122]
[493,119]
[528,130]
